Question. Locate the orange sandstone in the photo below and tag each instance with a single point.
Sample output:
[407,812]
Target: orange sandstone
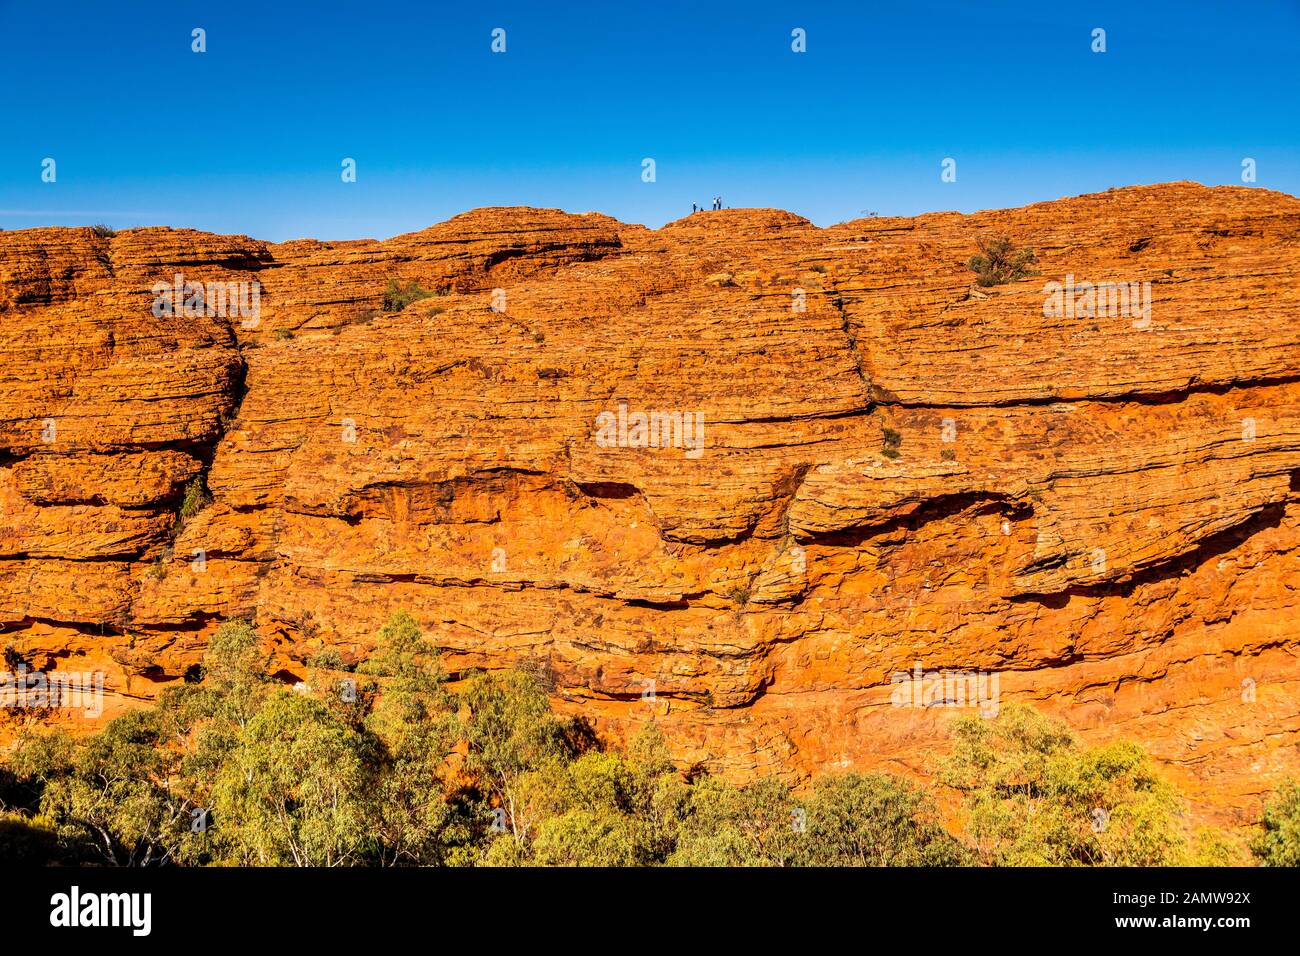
[898,469]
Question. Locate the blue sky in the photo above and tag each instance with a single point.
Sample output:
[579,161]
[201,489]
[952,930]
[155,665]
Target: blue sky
[249,136]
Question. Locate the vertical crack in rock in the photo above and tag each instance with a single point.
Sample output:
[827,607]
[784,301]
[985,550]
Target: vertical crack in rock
[836,300]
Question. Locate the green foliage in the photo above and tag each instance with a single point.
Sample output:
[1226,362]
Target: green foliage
[658,796]
[397,296]
[413,721]
[110,799]
[360,316]
[294,790]
[103,231]
[999,262]
[1213,847]
[740,595]
[890,442]
[875,820]
[282,335]
[1034,798]
[596,827]
[512,738]
[384,765]
[30,841]
[604,809]
[754,825]
[196,498]
[847,820]
[1278,843]
[13,657]
[234,674]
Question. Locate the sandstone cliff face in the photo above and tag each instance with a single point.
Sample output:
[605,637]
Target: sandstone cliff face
[898,469]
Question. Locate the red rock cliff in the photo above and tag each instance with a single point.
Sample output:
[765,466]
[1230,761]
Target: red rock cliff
[898,469]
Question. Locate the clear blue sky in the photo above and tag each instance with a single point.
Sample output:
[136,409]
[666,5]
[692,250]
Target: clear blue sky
[248,137]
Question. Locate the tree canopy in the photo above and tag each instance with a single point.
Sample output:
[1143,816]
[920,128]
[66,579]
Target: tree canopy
[383,764]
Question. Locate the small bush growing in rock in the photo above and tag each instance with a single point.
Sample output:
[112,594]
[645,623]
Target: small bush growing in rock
[891,441]
[397,296]
[197,497]
[1000,262]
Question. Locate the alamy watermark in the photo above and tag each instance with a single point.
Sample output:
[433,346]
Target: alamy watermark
[60,690]
[1087,300]
[922,688]
[74,908]
[229,300]
[656,429]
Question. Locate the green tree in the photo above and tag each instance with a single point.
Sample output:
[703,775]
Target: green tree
[600,809]
[753,825]
[511,737]
[582,837]
[859,819]
[1278,843]
[235,681]
[413,721]
[659,795]
[604,822]
[31,841]
[196,498]
[1032,797]
[294,789]
[110,795]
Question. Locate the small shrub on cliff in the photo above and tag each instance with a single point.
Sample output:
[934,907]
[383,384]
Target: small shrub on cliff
[890,442]
[1278,843]
[103,231]
[740,594]
[158,570]
[999,262]
[362,316]
[397,296]
[196,498]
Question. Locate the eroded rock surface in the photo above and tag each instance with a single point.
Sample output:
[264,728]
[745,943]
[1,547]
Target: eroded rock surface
[896,469]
